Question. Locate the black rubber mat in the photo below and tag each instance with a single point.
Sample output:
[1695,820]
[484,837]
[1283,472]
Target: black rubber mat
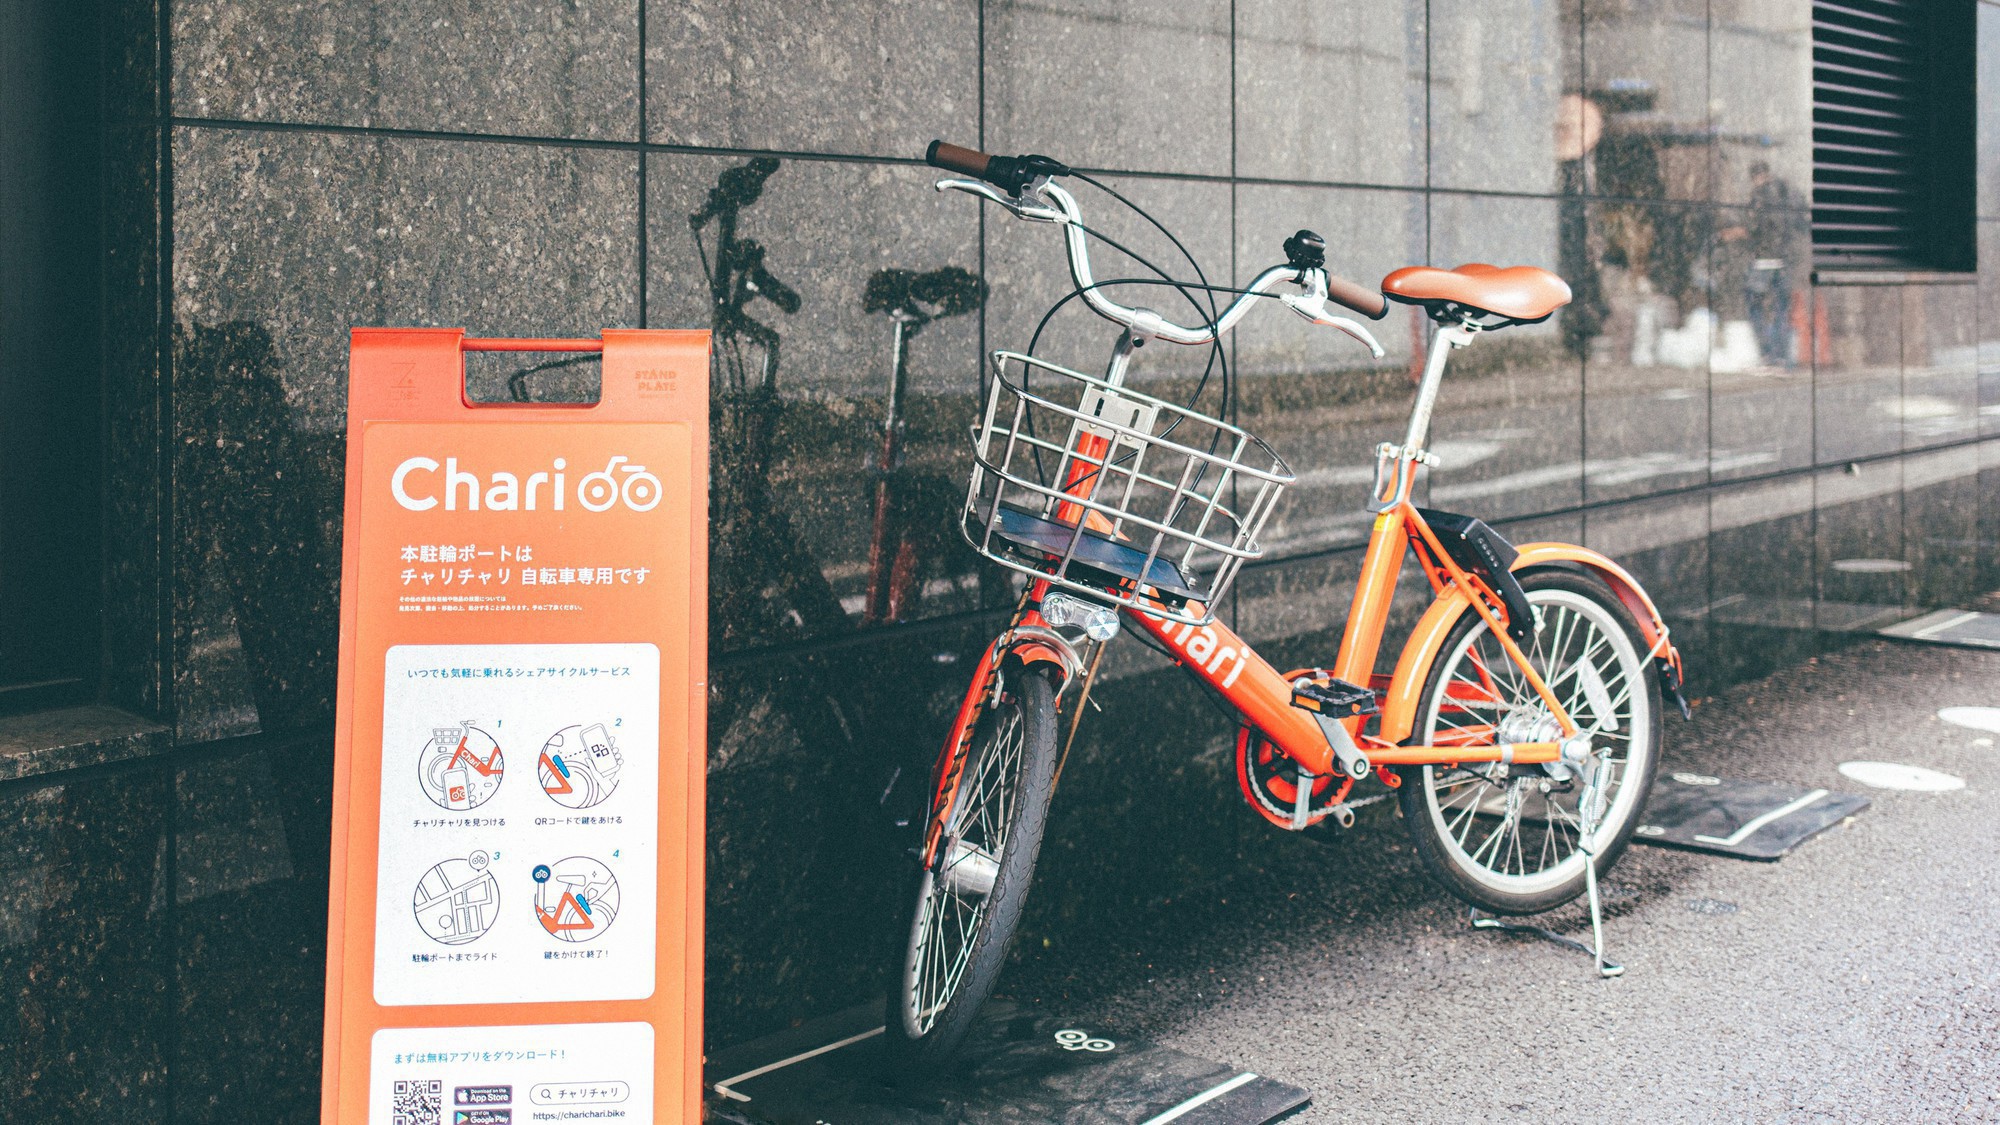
[1950,627]
[1017,1066]
[1760,820]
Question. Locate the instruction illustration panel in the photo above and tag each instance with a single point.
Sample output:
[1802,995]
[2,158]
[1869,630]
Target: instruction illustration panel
[497,887]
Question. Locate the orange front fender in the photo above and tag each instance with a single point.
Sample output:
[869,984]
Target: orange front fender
[1399,708]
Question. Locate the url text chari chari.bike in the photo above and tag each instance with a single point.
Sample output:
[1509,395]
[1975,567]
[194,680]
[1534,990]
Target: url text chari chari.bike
[1520,729]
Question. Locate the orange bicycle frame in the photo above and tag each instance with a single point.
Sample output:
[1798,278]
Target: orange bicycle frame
[1263,695]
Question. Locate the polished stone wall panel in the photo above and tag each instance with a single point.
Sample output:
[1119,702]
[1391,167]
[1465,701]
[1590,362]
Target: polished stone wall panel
[1508,427]
[882,78]
[1747,320]
[252,831]
[1940,364]
[1664,543]
[1760,83]
[1761,577]
[1988,555]
[1989,122]
[1316,395]
[1941,527]
[282,242]
[138,657]
[1103,84]
[1500,115]
[568,70]
[1863,575]
[1857,372]
[1331,91]
[84,954]
[1645,72]
[1987,326]
[1028,271]
[1646,416]
[801,379]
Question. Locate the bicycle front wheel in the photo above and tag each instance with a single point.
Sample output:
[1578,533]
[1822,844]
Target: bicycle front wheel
[1505,837]
[969,899]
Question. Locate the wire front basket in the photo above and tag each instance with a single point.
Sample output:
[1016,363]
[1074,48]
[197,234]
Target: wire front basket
[1114,493]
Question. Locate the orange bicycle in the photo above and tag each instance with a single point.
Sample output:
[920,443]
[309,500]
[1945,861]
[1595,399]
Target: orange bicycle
[1520,728]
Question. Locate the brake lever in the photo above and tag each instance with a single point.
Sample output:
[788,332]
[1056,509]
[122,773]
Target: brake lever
[1037,212]
[1312,306]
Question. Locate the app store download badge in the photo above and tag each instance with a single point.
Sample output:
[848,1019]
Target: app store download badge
[482,1095]
[482,1117]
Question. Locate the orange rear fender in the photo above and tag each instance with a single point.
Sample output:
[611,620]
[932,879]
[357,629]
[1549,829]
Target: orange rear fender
[1399,709]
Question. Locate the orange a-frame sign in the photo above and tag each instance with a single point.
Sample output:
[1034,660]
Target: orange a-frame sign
[516,920]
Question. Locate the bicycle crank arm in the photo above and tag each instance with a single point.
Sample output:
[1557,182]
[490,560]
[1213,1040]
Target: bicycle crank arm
[1350,757]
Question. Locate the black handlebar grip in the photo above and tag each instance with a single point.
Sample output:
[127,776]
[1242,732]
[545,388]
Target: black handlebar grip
[1368,302]
[957,158]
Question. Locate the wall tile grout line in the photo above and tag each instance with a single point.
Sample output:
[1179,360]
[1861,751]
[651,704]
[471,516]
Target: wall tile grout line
[666,148]
[645,220]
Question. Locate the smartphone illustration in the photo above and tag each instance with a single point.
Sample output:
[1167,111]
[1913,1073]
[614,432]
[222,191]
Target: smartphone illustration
[457,791]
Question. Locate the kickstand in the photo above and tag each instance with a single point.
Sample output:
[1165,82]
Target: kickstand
[1595,949]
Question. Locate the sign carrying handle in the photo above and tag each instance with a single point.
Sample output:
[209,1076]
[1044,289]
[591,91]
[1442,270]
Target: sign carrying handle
[496,344]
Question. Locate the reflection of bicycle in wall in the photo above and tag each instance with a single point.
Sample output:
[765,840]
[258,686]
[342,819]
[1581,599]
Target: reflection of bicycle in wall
[911,300]
[1520,728]
[776,590]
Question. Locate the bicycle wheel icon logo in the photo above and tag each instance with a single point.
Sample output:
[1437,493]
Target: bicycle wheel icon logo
[1070,1039]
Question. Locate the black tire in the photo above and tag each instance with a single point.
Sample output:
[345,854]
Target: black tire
[1447,809]
[929,1012]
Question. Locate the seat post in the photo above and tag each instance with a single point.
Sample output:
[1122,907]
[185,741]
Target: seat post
[1448,336]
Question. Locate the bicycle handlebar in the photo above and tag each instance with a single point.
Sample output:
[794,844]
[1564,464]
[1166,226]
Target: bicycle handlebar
[1049,203]
[1354,295]
[1008,173]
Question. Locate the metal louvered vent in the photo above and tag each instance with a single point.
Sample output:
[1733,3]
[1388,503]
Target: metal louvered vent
[1889,78]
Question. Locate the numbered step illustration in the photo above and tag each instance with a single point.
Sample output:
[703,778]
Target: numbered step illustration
[461,767]
[580,765]
[490,891]
[576,899]
[458,900]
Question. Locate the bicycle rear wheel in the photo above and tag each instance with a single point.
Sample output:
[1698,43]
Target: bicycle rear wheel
[1505,837]
[968,901]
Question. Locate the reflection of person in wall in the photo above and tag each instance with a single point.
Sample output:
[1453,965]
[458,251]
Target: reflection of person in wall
[1579,126]
[1769,241]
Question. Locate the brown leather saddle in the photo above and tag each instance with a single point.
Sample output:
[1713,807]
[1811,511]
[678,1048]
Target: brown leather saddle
[1516,295]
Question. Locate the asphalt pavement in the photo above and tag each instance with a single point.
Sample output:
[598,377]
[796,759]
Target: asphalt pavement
[1858,979]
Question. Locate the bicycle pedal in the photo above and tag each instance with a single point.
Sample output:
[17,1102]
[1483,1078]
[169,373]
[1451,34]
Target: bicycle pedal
[1334,698]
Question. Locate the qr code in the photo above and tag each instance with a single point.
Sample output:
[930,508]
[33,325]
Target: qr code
[418,1103]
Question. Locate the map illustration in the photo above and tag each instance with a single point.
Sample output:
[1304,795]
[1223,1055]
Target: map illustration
[460,767]
[576,899]
[458,900]
[579,766]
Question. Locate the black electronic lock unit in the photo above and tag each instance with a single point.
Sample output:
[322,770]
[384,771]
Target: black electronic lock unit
[1482,551]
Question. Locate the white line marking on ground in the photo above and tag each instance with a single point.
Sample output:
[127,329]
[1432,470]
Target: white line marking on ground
[1744,832]
[1201,1099]
[1895,775]
[1929,631]
[1978,718]
[723,1087]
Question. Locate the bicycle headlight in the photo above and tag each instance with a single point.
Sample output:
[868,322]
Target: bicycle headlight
[1099,623]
